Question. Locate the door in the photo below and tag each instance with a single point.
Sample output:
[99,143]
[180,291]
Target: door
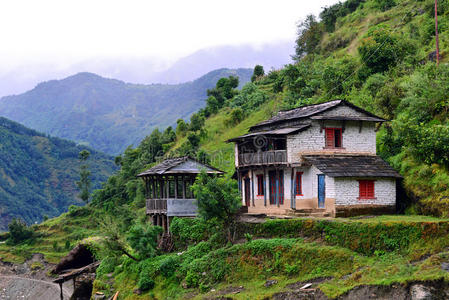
[321,190]
[276,187]
[247,191]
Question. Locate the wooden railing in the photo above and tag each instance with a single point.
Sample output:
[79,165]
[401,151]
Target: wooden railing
[173,207]
[263,158]
[156,205]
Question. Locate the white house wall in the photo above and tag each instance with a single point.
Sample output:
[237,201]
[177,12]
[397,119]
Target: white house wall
[312,140]
[347,192]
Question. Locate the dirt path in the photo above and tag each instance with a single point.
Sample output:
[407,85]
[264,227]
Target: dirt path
[15,287]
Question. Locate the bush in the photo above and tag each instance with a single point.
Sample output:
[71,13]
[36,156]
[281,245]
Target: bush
[146,283]
[143,239]
[19,232]
[385,5]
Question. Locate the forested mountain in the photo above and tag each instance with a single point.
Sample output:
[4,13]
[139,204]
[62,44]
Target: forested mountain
[38,173]
[109,114]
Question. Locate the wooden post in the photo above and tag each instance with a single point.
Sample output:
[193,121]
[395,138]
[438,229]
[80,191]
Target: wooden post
[292,191]
[167,188]
[176,186]
[264,187]
[153,181]
[183,187]
[60,288]
[436,33]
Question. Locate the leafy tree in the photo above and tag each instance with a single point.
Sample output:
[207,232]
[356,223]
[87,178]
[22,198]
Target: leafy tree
[181,127]
[196,122]
[224,89]
[143,239]
[18,232]
[85,181]
[212,105]
[258,72]
[218,198]
[237,116]
[382,49]
[309,37]
[385,5]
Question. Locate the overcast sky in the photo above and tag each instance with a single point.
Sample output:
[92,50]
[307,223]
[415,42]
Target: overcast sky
[56,34]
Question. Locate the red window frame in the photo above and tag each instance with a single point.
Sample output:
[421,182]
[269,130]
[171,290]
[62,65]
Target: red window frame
[366,189]
[260,189]
[298,183]
[333,137]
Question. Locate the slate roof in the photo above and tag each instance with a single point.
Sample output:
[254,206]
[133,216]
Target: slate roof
[352,165]
[310,110]
[168,164]
[280,131]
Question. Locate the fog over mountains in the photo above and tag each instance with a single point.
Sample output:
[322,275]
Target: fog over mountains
[147,70]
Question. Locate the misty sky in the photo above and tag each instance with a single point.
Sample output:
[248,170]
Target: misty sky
[58,35]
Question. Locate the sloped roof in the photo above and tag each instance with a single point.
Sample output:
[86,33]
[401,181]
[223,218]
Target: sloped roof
[352,165]
[280,131]
[310,110]
[183,164]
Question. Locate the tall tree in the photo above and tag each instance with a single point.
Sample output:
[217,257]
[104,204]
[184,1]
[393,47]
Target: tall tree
[84,183]
[309,37]
[258,72]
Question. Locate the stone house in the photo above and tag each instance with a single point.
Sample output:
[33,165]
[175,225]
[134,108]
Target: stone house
[315,160]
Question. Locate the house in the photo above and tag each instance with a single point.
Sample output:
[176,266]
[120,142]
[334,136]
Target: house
[315,160]
[167,189]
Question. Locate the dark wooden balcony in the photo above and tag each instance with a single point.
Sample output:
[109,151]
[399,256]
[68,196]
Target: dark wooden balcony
[272,157]
[156,206]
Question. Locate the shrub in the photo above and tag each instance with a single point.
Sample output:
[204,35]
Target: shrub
[146,283]
[143,239]
[385,5]
[19,232]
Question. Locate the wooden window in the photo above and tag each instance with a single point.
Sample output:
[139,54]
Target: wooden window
[260,190]
[333,138]
[366,189]
[272,175]
[298,184]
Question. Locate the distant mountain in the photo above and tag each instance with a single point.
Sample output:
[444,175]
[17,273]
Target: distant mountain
[243,56]
[109,114]
[38,173]
[18,79]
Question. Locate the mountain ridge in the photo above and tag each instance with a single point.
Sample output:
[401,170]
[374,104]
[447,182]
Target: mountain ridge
[109,114]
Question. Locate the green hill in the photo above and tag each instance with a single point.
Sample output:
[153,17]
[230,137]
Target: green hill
[377,54]
[38,173]
[108,114]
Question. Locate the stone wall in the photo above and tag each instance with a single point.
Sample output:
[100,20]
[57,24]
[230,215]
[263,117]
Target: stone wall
[312,140]
[347,192]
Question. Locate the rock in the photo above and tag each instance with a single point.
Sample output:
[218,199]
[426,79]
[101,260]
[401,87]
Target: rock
[269,283]
[445,266]
[420,292]
[137,292]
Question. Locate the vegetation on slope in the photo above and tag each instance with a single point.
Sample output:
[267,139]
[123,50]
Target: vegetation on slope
[38,173]
[108,114]
[374,53]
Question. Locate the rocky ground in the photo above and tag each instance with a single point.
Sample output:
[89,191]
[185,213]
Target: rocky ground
[30,281]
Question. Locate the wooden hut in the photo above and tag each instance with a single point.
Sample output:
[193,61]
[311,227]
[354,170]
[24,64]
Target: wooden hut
[167,189]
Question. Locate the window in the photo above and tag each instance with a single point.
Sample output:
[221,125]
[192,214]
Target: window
[298,184]
[366,189]
[260,189]
[333,138]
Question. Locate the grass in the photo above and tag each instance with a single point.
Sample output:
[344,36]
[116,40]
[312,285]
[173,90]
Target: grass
[53,232]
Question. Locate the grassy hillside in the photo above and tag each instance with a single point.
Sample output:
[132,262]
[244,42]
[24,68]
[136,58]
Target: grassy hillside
[38,173]
[108,114]
[375,54]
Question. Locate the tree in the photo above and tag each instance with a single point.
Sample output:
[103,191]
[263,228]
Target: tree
[143,239]
[196,122]
[84,183]
[309,37]
[218,198]
[181,127]
[258,72]
[18,232]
